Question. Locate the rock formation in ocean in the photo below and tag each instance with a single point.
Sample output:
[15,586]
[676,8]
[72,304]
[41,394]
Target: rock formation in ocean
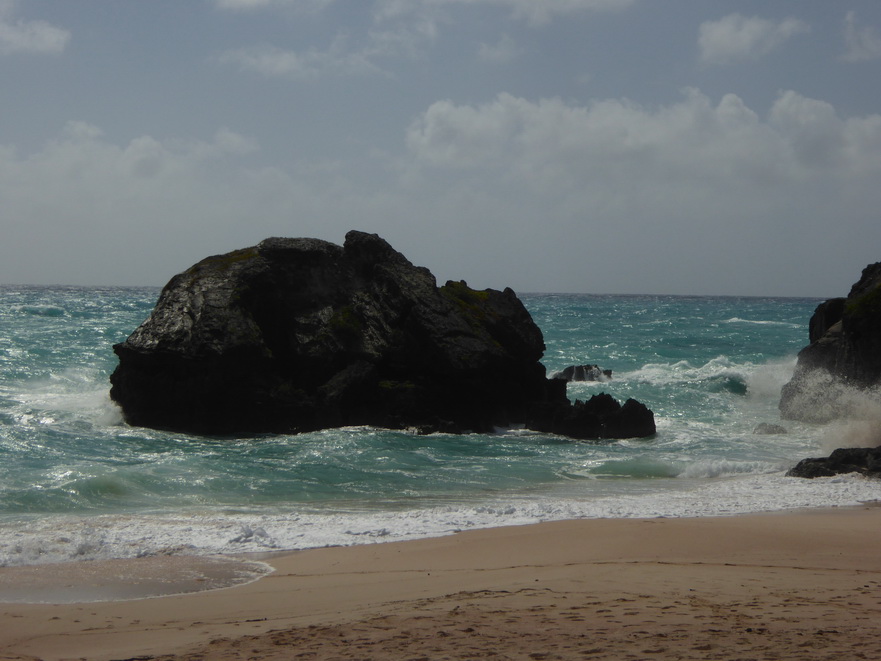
[583,373]
[295,335]
[838,374]
[602,416]
[866,461]
[768,429]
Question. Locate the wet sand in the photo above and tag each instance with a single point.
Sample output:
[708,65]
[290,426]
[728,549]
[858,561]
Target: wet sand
[779,586]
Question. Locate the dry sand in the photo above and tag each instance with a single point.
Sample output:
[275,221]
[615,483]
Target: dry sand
[781,586]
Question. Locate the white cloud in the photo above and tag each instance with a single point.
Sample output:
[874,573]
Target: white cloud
[690,192]
[271,61]
[698,196]
[862,42]
[242,5]
[539,12]
[548,142]
[534,11]
[135,208]
[401,28]
[418,22]
[396,31]
[253,5]
[83,155]
[406,32]
[78,130]
[231,142]
[277,62]
[810,129]
[23,36]
[823,142]
[501,53]
[736,37]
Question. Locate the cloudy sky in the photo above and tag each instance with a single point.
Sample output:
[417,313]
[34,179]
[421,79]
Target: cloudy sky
[603,146]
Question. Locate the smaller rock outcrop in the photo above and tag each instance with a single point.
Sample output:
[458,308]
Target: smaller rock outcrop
[583,373]
[600,417]
[865,461]
[769,428]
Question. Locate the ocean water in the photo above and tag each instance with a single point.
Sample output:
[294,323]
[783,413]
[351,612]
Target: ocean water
[78,484]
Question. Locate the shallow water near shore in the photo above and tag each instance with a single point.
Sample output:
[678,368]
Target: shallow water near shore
[123,579]
[77,484]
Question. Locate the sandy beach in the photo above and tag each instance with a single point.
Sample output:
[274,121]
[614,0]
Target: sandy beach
[803,585]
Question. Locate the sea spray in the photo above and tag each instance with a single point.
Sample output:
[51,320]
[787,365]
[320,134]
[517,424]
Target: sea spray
[861,429]
[823,397]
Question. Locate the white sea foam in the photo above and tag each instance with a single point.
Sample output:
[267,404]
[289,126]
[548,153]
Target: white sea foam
[714,468]
[761,322]
[61,538]
[683,370]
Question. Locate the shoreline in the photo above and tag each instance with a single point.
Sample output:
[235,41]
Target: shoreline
[590,584]
[126,579]
[167,575]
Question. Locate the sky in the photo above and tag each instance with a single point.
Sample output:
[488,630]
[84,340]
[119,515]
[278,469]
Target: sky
[695,147]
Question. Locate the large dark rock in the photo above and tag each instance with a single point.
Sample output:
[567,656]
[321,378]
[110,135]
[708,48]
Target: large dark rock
[300,334]
[866,461]
[843,358]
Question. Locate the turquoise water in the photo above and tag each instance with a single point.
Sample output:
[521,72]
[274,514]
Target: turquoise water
[76,483]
